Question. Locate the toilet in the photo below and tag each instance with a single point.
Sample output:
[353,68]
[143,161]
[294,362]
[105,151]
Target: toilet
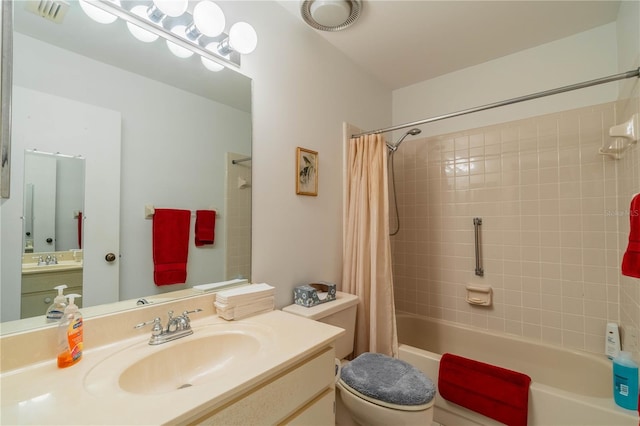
[383,398]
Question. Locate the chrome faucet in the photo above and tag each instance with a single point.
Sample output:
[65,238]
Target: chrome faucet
[177,327]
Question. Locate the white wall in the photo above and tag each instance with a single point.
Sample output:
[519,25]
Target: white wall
[302,92]
[582,57]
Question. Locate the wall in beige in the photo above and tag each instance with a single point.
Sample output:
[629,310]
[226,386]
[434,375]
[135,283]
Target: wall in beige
[550,236]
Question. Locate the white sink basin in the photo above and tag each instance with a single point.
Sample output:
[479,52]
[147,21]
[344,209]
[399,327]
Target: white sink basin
[210,353]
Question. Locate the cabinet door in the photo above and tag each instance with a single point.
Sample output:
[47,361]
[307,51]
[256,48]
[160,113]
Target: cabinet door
[280,399]
[36,304]
[38,293]
[321,412]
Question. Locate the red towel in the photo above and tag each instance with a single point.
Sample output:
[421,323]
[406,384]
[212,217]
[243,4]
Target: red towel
[631,259]
[170,245]
[492,391]
[205,227]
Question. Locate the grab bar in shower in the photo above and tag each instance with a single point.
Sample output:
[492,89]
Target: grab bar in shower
[477,223]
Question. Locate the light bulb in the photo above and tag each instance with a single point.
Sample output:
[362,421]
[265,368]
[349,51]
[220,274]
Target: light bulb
[163,8]
[208,19]
[208,63]
[98,14]
[242,38]
[211,65]
[179,51]
[140,33]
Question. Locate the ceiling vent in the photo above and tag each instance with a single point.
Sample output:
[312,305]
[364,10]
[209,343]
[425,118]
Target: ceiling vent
[51,10]
[330,15]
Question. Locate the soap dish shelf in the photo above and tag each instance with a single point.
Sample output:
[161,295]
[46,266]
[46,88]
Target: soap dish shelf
[479,295]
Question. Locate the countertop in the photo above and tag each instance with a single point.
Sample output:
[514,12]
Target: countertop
[44,394]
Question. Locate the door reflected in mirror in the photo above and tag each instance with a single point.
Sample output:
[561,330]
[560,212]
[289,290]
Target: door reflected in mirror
[52,228]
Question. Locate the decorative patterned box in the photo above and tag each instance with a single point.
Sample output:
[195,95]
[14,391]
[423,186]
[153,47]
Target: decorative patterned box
[314,294]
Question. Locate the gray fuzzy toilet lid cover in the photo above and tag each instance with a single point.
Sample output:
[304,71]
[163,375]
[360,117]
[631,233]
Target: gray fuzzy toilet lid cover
[388,379]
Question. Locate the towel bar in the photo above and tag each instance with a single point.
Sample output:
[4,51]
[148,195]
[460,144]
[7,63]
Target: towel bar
[149,210]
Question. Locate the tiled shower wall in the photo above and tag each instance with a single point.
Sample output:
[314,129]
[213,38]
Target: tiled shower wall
[552,235]
[237,217]
[628,186]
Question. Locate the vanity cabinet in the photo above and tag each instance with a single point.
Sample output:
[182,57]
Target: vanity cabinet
[37,292]
[302,395]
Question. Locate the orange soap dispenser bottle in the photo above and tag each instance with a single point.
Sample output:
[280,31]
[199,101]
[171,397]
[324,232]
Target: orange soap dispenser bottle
[70,335]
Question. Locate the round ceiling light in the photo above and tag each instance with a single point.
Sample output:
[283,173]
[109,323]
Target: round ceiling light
[330,15]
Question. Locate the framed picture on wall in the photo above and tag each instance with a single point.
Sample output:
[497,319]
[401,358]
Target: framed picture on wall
[306,172]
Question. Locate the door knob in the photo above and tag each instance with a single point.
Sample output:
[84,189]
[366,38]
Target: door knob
[49,240]
[110,257]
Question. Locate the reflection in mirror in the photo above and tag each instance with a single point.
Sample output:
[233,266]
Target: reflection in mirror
[52,228]
[152,129]
[53,201]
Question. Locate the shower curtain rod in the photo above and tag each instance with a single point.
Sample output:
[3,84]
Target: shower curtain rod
[609,79]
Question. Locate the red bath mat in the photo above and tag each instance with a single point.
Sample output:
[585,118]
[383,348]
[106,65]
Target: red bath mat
[492,391]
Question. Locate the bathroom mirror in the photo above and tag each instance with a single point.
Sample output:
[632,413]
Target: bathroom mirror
[178,126]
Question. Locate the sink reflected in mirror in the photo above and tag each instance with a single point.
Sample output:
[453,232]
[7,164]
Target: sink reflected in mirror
[211,353]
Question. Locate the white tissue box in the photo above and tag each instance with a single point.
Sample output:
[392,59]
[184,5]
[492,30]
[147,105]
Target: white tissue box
[314,294]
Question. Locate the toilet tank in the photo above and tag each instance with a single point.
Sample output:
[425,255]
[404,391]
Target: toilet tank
[340,312]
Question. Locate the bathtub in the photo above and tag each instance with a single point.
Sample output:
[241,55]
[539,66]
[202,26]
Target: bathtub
[567,387]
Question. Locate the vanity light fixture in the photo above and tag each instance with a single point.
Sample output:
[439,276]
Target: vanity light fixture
[140,33]
[98,14]
[198,30]
[242,39]
[179,51]
[160,9]
[208,20]
[208,63]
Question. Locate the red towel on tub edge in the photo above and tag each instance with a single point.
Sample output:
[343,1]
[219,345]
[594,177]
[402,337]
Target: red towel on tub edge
[170,245]
[487,389]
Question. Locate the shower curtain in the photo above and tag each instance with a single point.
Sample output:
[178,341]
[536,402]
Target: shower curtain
[367,253]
